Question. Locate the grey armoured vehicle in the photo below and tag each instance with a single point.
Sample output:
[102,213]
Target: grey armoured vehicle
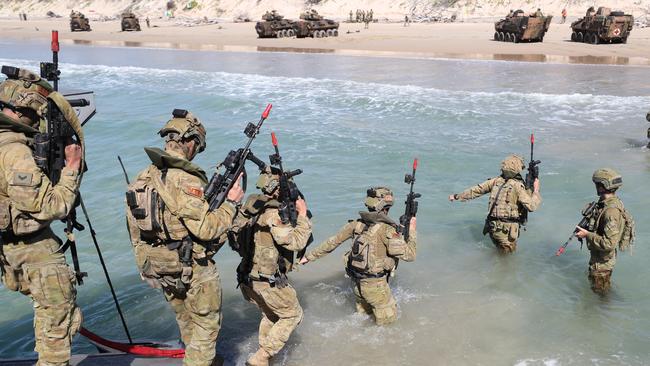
[311,24]
[273,25]
[79,22]
[130,22]
[602,26]
[517,27]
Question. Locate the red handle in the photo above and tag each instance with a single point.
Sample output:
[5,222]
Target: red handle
[266,112]
[415,164]
[532,138]
[559,252]
[274,139]
[55,41]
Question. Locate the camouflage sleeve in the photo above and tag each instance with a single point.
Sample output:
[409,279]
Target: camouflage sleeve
[477,190]
[612,229]
[291,238]
[194,211]
[528,199]
[400,248]
[333,242]
[31,192]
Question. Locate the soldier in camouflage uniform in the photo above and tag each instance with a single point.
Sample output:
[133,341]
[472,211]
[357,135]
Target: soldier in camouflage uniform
[174,234]
[30,259]
[376,249]
[267,248]
[508,200]
[606,229]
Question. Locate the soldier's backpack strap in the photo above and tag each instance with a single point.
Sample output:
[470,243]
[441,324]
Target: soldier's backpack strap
[496,199]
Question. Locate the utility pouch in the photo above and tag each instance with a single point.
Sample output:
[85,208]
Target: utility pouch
[5,214]
[9,274]
[161,262]
[359,254]
[143,202]
[41,146]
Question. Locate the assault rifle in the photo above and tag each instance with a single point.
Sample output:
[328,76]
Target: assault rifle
[584,223]
[288,194]
[533,173]
[411,203]
[233,166]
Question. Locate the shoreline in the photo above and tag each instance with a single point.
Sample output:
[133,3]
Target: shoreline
[454,41]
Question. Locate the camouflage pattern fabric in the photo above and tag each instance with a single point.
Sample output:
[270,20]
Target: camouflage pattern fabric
[29,259]
[281,313]
[605,234]
[507,198]
[386,246]
[198,307]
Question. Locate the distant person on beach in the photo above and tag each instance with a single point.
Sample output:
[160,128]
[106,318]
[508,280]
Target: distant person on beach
[173,233]
[564,14]
[508,200]
[31,257]
[377,247]
[351,19]
[538,13]
[148,22]
[406,20]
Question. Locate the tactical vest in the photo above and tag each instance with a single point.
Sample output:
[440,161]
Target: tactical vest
[628,234]
[154,208]
[261,256]
[503,202]
[369,254]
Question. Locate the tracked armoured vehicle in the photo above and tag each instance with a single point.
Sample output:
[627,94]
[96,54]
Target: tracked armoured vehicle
[602,26]
[273,25]
[79,22]
[311,24]
[517,27]
[130,22]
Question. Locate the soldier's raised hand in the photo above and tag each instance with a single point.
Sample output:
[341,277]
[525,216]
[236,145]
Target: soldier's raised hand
[236,193]
[536,185]
[413,224]
[301,207]
[452,197]
[304,260]
[72,156]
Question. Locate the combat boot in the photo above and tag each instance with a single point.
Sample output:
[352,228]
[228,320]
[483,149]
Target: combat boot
[259,358]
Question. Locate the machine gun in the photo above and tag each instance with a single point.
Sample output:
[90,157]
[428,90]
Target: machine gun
[411,203]
[288,194]
[533,173]
[584,223]
[233,166]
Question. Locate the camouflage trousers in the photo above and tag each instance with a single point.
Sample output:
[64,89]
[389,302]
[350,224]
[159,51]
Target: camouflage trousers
[504,235]
[38,271]
[600,280]
[198,309]
[281,313]
[374,297]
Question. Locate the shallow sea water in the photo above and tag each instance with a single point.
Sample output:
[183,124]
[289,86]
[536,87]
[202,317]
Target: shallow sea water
[353,122]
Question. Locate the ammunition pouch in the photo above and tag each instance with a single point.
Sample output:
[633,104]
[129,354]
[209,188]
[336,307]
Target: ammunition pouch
[170,264]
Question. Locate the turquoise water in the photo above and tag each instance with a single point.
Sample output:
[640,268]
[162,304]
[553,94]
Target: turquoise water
[352,122]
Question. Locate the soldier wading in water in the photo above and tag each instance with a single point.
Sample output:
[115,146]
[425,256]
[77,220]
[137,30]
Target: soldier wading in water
[31,258]
[610,227]
[376,249]
[508,200]
[174,234]
[267,247]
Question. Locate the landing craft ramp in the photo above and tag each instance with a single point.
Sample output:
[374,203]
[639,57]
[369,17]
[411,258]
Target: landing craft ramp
[113,359]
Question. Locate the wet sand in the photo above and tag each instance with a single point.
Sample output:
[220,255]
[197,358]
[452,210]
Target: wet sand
[451,40]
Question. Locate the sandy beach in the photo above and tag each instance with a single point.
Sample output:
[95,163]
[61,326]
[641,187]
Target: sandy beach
[446,40]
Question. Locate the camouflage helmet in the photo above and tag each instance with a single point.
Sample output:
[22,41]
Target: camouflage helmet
[269,180]
[184,126]
[512,165]
[24,89]
[609,178]
[378,198]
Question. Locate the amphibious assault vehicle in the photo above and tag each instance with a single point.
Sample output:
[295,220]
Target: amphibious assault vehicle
[517,27]
[79,22]
[273,25]
[602,26]
[311,24]
[130,22]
